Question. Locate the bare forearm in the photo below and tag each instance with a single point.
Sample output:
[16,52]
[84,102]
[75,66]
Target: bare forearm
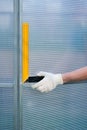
[76,75]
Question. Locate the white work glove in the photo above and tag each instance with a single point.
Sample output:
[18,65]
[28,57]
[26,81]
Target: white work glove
[49,82]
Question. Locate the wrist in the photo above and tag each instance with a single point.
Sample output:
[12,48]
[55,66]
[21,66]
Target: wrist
[66,77]
[58,79]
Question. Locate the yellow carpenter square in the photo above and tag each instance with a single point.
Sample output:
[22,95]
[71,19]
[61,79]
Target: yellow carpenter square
[25,51]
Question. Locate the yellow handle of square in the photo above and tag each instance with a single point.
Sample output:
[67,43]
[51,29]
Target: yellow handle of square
[25,51]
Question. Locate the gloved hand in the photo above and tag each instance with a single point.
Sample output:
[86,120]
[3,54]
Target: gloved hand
[49,82]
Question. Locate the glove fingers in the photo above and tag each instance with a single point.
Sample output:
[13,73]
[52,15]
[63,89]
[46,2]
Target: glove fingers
[42,88]
[42,73]
[38,84]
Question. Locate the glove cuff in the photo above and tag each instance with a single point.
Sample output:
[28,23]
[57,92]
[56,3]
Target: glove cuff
[58,79]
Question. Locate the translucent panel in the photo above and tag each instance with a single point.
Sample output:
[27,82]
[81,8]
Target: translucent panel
[6,41]
[6,6]
[57,34]
[8,50]
[58,43]
[65,108]
[6,108]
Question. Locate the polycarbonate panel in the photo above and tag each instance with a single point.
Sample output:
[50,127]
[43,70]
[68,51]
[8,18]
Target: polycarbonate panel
[58,43]
[65,108]
[6,108]
[8,63]
[6,41]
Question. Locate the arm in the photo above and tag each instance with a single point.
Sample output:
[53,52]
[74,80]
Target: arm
[51,81]
[76,75]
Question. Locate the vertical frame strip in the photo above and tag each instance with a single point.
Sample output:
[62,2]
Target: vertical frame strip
[17,89]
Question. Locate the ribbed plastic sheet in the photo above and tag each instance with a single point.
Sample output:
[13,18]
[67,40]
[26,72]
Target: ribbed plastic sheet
[58,43]
[7,50]
[7,63]
[65,108]
[6,108]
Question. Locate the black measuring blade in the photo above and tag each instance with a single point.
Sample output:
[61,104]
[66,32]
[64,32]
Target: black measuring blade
[32,79]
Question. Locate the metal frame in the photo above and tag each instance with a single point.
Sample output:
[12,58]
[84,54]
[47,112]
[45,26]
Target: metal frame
[17,86]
